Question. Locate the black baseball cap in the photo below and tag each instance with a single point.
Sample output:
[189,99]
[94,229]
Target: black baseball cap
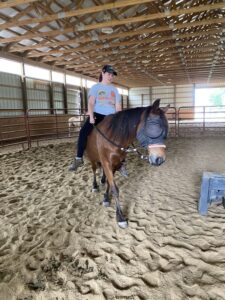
[109,69]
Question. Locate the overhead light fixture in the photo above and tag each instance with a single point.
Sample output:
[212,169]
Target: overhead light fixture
[107,30]
[167,11]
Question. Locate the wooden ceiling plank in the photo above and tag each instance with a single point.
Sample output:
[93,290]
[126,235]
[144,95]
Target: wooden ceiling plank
[77,12]
[14,3]
[133,19]
[144,49]
[128,43]
[152,30]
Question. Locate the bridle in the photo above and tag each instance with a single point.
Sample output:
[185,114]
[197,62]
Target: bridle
[143,137]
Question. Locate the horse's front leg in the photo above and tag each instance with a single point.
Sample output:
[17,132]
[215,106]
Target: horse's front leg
[94,185]
[119,214]
[115,193]
[106,199]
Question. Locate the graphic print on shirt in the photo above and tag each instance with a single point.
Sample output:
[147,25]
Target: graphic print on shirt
[104,99]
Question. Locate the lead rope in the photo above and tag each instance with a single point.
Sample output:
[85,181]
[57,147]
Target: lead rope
[111,142]
[127,150]
[142,156]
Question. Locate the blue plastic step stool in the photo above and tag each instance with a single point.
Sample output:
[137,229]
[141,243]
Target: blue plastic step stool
[212,190]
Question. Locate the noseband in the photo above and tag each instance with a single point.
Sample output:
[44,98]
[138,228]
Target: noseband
[156,146]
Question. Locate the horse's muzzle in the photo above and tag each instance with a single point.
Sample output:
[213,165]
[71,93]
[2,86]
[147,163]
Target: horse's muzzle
[156,160]
[156,154]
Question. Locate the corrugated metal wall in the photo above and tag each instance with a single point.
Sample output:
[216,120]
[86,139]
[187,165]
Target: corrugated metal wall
[10,94]
[165,93]
[58,97]
[38,98]
[73,99]
[176,96]
[184,95]
[139,97]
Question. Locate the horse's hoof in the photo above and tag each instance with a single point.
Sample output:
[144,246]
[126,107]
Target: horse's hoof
[95,190]
[123,224]
[106,203]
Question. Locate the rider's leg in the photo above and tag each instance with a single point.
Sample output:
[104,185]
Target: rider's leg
[81,145]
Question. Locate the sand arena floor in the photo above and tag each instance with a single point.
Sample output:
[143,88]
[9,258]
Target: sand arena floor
[57,242]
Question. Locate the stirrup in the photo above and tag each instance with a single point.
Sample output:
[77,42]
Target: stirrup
[123,171]
[76,164]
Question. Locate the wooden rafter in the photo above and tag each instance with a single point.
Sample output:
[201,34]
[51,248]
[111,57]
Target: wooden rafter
[10,3]
[116,23]
[75,13]
[152,41]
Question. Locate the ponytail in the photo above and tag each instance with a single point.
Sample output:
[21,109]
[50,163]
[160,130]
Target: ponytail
[100,78]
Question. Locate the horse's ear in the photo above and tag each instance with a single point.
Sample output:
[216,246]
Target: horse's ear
[165,109]
[155,105]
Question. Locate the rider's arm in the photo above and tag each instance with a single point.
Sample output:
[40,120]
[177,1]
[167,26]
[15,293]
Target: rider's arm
[91,103]
[118,101]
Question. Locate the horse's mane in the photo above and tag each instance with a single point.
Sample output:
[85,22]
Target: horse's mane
[123,124]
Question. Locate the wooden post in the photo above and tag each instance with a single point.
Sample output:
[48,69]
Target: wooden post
[51,100]
[65,99]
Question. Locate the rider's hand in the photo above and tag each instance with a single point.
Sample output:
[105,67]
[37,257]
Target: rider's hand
[92,120]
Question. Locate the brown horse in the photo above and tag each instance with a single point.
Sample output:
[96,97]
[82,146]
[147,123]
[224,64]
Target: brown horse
[107,144]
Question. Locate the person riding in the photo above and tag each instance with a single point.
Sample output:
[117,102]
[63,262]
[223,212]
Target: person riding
[104,99]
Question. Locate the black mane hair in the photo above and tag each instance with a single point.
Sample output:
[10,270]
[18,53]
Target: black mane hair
[123,124]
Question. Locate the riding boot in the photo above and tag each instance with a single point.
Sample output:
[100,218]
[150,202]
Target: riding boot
[123,171]
[78,161]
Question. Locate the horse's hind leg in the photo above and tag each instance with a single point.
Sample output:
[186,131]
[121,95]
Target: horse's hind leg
[103,178]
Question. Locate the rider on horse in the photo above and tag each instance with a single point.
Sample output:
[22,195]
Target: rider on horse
[104,99]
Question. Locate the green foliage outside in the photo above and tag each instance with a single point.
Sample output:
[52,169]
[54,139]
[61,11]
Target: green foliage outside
[217,98]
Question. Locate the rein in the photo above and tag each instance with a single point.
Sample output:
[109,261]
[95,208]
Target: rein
[111,142]
[127,150]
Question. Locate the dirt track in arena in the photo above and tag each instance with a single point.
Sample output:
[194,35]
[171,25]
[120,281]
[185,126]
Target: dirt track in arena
[57,242]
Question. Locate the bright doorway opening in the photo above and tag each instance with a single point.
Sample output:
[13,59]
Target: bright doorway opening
[210,104]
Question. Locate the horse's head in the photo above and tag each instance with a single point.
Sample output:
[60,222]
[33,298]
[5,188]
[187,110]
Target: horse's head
[152,133]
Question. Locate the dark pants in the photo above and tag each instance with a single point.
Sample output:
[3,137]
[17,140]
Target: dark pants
[84,133]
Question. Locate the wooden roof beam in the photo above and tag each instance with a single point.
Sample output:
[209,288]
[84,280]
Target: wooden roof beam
[113,45]
[11,3]
[128,20]
[74,13]
[140,49]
